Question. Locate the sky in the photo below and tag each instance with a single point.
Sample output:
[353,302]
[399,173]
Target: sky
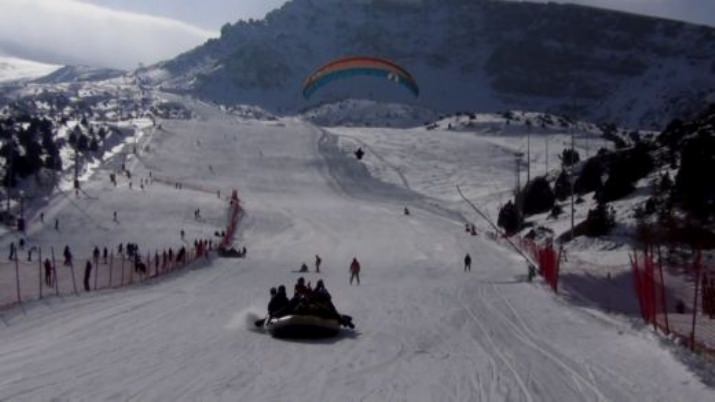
[124,33]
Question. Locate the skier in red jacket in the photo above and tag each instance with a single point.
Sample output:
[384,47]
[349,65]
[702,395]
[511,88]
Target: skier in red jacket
[355,271]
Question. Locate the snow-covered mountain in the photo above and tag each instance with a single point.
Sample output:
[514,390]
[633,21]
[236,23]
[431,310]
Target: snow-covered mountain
[465,54]
[70,74]
[14,69]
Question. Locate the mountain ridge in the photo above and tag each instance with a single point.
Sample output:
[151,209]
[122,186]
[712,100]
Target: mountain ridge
[466,55]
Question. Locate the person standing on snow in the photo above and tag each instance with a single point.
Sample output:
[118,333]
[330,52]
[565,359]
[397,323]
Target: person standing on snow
[87,274]
[467,263]
[68,256]
[318,261]
[48,272]
[355,271]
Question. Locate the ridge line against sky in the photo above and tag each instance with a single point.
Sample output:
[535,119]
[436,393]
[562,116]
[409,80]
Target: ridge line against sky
[124,33]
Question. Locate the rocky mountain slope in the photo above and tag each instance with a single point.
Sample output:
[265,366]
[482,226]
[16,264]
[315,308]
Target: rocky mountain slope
[465,54]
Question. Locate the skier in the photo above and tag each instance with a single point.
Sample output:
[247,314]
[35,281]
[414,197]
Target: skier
[182,233]
[355,271]
[407,211]
[359,153]
[12,251]
[87,274]
[57,224]
[95,255]
[318,261]
[467,263]
[42,217]
[474,230]
[48,272]
[104,255]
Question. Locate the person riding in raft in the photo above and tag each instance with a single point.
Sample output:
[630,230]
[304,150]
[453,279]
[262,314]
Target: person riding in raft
[279,302]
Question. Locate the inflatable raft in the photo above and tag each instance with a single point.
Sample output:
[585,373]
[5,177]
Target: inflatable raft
[302,326]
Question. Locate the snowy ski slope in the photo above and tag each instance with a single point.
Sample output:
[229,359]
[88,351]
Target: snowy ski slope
[426,330]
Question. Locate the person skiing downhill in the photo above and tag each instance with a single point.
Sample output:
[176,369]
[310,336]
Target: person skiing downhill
[467,263]
[355,271]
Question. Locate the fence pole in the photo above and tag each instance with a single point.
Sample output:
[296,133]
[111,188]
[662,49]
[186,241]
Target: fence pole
[74,282]
[111,265]
[54,272]
[17,277]
[662,291]
[39,271]
[695,299]
[96,272]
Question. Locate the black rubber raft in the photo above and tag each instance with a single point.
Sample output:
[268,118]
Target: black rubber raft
[302,327]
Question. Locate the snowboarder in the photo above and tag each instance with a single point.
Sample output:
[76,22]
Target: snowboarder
[467,263]
[87,274]
[48,272]
[318,261]
[355,271]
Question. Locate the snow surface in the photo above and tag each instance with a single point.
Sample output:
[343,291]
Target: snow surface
[425,329]
[14,69]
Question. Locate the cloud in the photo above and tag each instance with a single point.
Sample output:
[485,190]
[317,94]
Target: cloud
[73,32]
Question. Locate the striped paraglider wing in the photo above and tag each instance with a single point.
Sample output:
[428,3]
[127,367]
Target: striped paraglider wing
[359,66]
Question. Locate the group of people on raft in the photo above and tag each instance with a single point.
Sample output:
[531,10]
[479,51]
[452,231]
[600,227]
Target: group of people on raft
[305,301]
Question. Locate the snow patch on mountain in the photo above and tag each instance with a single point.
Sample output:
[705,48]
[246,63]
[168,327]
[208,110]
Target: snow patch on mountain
[14,69]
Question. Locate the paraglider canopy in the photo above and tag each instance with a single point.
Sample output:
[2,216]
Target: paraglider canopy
[355,66]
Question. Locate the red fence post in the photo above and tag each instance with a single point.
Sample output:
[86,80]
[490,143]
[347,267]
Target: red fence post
[695,298]
[662,291]
[39,271]
[54,272]
[111,265]
[17,278]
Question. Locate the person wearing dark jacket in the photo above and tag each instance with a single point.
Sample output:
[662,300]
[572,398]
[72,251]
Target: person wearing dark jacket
[467,263]
[87,274]
[48,272]
[279,302]
[355,271]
